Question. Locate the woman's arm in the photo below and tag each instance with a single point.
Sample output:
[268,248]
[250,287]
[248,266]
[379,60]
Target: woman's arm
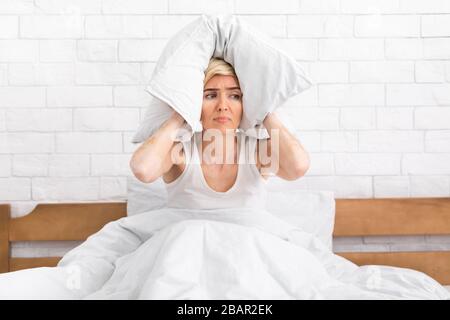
[154,157]
[288,159]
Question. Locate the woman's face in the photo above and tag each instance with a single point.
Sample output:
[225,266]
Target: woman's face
[222,103]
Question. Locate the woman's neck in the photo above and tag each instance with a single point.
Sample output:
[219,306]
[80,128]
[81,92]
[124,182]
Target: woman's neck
[219,148]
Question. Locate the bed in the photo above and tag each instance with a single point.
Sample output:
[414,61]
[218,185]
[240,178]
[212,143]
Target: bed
[354,217]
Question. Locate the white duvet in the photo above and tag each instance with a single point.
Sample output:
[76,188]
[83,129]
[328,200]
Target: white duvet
[212,254]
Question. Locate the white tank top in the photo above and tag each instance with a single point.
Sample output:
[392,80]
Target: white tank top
[190,190]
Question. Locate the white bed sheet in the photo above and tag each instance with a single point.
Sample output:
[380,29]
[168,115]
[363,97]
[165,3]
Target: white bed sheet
[212,254]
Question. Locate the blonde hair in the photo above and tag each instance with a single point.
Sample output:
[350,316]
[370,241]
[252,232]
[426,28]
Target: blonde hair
[219,66]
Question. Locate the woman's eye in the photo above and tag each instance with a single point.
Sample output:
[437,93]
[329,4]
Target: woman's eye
[235,96]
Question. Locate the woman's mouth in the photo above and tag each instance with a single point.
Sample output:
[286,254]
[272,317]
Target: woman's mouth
[222,119]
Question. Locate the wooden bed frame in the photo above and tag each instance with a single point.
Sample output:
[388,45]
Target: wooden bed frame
[354,217]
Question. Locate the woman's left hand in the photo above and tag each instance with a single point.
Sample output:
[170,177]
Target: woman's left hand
[293,160]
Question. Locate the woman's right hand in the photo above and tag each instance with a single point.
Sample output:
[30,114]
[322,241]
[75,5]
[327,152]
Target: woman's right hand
[153,158]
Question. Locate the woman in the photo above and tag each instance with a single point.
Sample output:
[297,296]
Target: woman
[189,184]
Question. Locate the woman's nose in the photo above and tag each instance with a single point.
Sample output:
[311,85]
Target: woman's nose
[223,107]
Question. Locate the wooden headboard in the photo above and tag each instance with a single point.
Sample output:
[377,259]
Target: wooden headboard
[354,217]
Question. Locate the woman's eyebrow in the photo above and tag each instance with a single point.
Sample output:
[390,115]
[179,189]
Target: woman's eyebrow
[217,89]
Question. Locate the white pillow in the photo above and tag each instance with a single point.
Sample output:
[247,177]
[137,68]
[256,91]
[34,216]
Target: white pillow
[268,76]
[312,211]
[145,196]
[156,114]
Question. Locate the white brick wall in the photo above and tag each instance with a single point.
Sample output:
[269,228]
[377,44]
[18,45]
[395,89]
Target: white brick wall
[376,123]
[118,27]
